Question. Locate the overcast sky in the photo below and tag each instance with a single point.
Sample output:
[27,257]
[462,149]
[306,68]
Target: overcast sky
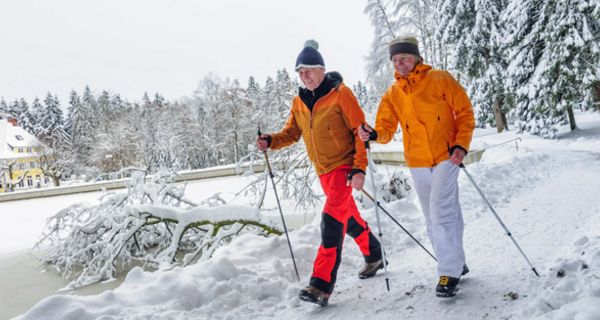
[130,47]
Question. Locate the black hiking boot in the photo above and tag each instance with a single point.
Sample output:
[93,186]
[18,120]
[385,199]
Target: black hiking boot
[370,269]
[314,295]
[446,287]
[465,270]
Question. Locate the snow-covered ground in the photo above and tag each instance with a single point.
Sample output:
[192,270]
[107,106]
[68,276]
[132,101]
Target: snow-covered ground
[546,192]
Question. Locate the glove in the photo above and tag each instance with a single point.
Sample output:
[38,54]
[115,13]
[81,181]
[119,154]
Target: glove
[353,172]
[454,147]
[372,134]
[268,138]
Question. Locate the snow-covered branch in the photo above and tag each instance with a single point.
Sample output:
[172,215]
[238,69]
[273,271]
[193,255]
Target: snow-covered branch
[151,224]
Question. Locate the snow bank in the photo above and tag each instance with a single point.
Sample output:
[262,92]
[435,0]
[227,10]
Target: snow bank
[572,291]
[253,275]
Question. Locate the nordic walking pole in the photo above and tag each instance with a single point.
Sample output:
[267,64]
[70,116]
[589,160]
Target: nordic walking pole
[279,206]
[508,233]
[398,223]
[372,171]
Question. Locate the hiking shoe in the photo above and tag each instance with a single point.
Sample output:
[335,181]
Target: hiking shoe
[314,295]
[465,270]
[370,269]
[446,287]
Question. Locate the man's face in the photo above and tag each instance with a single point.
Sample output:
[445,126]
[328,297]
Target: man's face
[404,63]
[311,77]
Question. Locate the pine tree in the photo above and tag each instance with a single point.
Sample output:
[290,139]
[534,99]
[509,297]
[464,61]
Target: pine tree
[475,35]
[25,117]
[550,61]
[81,127]
[53,133]
[570,39]
[366,100]
[37,112]
[14,109]
[3,106]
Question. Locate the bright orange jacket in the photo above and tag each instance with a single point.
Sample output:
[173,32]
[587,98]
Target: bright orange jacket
[434,113]
[330,131]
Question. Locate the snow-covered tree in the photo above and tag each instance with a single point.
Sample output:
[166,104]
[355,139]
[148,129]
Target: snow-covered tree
[20,110]
[14,108]
[367,101]
[276,101]
[553,43]
[379,69]
[52,124]
[473,35]
[3,106]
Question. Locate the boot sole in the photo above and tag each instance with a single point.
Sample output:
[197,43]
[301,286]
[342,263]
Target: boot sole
[370,275]
[446,294]
[313,299]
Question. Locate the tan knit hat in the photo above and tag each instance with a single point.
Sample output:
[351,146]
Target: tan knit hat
[404,44]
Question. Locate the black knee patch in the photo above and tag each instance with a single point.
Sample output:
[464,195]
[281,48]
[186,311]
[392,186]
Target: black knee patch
[354,229]
[332,231]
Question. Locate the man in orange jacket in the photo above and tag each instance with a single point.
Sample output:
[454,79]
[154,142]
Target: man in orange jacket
[437,122]
[326,114]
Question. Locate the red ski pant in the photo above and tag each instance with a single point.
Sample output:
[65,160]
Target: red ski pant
[340,216]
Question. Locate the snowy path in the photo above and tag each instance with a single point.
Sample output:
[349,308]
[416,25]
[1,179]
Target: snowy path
[546,193]
[497,268]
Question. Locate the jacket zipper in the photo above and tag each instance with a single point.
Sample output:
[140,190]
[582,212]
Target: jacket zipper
[412,111]
[312,133]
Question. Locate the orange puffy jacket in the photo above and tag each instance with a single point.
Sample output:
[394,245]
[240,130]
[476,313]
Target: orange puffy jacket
[330,130]
[434,113]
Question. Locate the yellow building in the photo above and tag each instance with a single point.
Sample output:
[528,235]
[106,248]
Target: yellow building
[20,157]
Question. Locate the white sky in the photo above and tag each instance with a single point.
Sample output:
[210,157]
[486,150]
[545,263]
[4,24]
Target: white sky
[130,47]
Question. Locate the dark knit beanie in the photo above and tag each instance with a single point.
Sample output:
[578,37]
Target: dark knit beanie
[309,57]
[404,44]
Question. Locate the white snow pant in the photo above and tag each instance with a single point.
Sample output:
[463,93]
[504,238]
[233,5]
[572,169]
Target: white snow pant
[437,189]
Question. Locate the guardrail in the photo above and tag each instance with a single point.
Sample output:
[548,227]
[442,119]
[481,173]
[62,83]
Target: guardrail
[397,157]
[386,157]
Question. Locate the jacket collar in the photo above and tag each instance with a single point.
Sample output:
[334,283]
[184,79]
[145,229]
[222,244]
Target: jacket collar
[332,80]
[413,77]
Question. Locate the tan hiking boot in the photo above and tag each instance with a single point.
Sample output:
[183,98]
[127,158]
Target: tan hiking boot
[314,295]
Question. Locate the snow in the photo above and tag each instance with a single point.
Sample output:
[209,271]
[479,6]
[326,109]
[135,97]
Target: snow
[546,193]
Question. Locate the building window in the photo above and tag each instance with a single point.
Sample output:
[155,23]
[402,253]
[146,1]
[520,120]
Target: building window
[28,150]
[21,184]
[32,164]
[29,181]
[1,185]
[20,150]
[19,137]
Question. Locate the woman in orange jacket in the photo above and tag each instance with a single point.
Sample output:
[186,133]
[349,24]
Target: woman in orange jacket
[326,115]
[437,123]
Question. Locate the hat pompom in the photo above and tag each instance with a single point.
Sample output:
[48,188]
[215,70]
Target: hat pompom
[311,43]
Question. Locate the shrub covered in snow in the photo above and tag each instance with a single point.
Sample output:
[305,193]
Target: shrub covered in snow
[389,189]
[151,224]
